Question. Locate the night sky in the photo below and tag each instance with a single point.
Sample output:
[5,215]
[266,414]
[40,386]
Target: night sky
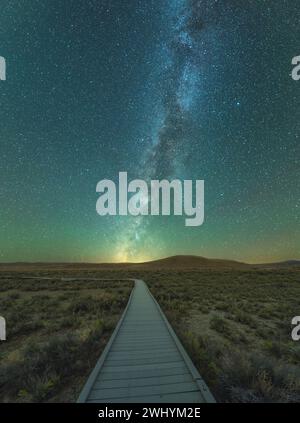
[188,89]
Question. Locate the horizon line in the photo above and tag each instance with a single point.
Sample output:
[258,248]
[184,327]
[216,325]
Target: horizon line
[145,262]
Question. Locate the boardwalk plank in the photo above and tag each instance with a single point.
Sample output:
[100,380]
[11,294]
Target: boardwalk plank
[143,381]
[119,355]
[178,398]
[134,391]
[144,373]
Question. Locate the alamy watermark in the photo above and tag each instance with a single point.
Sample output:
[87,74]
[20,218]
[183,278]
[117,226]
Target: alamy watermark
[296,69]
[2,69]
[159,197]
[2,329]
[296,330]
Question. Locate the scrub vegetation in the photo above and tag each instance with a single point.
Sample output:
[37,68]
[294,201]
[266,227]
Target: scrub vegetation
[56,331]
[234,323]
[236,326]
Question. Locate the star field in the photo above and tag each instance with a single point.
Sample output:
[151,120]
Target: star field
[188,89]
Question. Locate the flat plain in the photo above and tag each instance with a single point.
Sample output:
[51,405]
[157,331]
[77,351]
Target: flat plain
[235,323]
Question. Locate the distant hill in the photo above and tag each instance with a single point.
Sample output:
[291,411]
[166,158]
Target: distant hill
[190,262]
[281,264]
[179,262]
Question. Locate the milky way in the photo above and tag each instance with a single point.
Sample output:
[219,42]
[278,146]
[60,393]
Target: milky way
[166,151]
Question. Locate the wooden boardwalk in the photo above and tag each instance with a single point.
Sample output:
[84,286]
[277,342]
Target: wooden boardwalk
[144,362]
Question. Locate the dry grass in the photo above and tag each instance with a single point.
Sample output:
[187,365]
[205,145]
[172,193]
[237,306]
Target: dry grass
[236,325]
[56,331]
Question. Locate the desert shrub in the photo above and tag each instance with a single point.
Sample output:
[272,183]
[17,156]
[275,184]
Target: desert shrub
[244,318]
[44,367]
[21,327]
[204,309]
[223,306]
[263,332]
[83,305]
[204,354]
[219,324]
[257,378]
[277,348]
[41,368]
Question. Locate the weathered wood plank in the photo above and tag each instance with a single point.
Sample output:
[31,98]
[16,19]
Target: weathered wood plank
[144,360]
[144,373]
[134,391]
[150,366]
[178,398]
[120,355]
[142,381]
